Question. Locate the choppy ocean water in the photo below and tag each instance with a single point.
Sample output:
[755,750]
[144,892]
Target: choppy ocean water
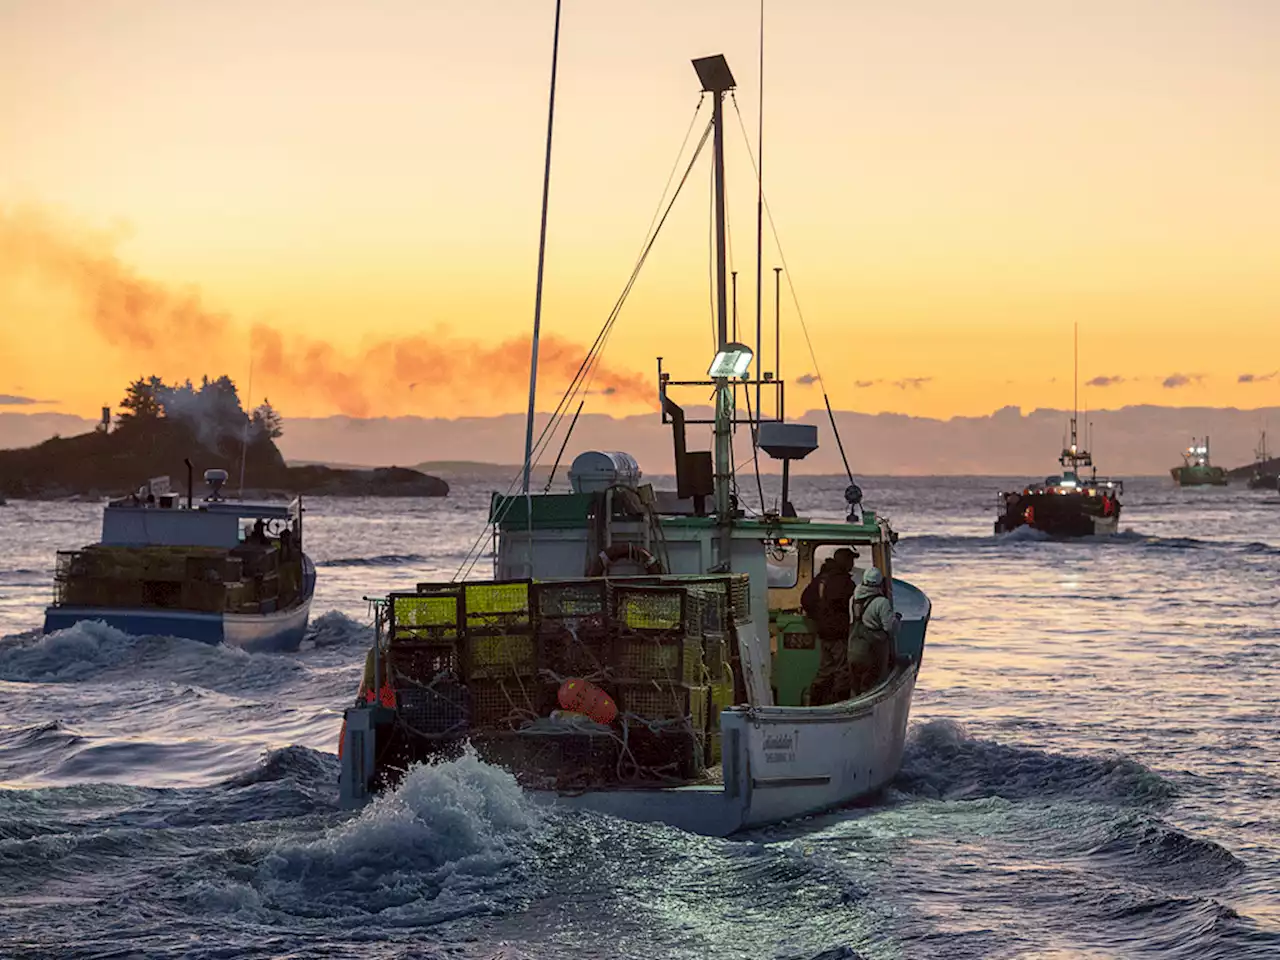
[1093,771]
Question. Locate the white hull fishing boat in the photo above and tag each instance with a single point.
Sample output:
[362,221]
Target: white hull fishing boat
[644,653]
[220,571]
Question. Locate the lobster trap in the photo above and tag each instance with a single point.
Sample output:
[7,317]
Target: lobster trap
[483,662]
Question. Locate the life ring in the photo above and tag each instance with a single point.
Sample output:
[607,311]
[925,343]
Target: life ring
[623,551]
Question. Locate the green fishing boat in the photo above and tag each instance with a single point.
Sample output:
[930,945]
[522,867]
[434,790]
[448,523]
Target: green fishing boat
[1196,470]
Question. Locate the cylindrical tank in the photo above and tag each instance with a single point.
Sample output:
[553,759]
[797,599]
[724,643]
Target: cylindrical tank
[597,470]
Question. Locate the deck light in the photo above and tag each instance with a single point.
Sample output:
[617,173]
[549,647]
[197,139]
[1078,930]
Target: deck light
[733,360]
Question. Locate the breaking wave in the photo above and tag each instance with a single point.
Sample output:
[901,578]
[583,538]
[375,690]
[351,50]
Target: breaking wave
[453,839]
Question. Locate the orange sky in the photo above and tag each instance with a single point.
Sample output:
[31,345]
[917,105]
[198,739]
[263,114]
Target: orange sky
[954,185]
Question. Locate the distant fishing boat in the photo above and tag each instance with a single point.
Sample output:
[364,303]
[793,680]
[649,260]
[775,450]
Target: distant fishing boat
[1067,505]
[219,571]
[1196,470]
[1266,472]
[643,653]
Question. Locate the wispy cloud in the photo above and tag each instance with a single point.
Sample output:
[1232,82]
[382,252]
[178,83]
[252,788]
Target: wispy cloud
[1256,377]
[914,383]
[863,384]
[807,379]
[9,400]
[1176,380]
[1104,381]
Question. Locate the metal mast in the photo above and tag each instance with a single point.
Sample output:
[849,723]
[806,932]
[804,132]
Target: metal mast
[760,214]
[542,252]
[717,80]
[1075,381]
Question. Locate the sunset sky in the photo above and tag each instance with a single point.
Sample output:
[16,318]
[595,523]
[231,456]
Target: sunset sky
[349,194]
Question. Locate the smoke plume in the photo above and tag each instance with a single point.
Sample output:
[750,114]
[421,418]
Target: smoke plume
[174,329]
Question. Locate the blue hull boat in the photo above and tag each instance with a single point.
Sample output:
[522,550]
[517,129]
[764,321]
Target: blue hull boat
[230,572]
[278,632]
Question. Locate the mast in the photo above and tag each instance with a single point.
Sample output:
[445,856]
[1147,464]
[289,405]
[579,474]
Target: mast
[1071,453]
[777,334]
[1075,381]
[542,253]
[717,80]
[759,213]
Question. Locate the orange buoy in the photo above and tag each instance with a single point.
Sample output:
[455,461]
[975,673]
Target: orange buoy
[386,696]
[582,696]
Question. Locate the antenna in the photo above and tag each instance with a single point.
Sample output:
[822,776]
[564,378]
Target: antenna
[759,208]
[1075,378]
[734,277]
[777,334]
[542,256]
[244,439]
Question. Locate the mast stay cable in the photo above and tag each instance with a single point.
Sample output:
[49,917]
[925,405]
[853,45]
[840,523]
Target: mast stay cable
[590,363]
[804,327]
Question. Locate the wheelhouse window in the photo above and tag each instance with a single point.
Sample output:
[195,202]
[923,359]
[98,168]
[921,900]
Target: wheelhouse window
[782,562]
[823,553]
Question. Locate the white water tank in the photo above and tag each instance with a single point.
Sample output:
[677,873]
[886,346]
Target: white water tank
[597,470]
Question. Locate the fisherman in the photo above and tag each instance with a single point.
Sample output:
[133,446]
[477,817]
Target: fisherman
[875,625]
[826,601]
[259,534]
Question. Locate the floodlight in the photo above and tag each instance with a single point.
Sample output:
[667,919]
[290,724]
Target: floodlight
[734,360]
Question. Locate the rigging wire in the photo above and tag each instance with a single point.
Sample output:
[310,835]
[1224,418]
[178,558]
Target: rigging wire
[588,367]
[569,433]
[804,327]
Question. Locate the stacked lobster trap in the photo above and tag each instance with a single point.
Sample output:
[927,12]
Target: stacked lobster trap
[484,663]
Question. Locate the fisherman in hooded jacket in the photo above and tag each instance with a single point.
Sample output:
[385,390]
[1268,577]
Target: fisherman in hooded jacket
[874,625]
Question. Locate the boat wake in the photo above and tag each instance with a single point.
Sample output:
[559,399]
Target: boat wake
[336,629]
[1129,537]
[943,762]
[92,650]
[452,840]
[381,560]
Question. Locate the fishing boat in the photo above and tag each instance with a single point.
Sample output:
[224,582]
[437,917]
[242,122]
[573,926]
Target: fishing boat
[643,653]
[1069,504]
[1266,472]
[217,571]
[1196,470]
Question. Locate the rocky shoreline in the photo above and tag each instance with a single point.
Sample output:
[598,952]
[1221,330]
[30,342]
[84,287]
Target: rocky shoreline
[98,465]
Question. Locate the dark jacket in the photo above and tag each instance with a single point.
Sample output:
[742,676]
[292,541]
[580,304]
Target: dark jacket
[826,601]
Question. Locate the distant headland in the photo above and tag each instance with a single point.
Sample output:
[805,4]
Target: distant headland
[159,426]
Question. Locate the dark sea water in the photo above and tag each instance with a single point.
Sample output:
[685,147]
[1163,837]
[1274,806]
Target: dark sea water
[1093,768]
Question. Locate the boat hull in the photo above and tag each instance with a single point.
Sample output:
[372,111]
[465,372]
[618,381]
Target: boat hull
[1057,515]
[1199,476]
[780,763]
[276,632]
